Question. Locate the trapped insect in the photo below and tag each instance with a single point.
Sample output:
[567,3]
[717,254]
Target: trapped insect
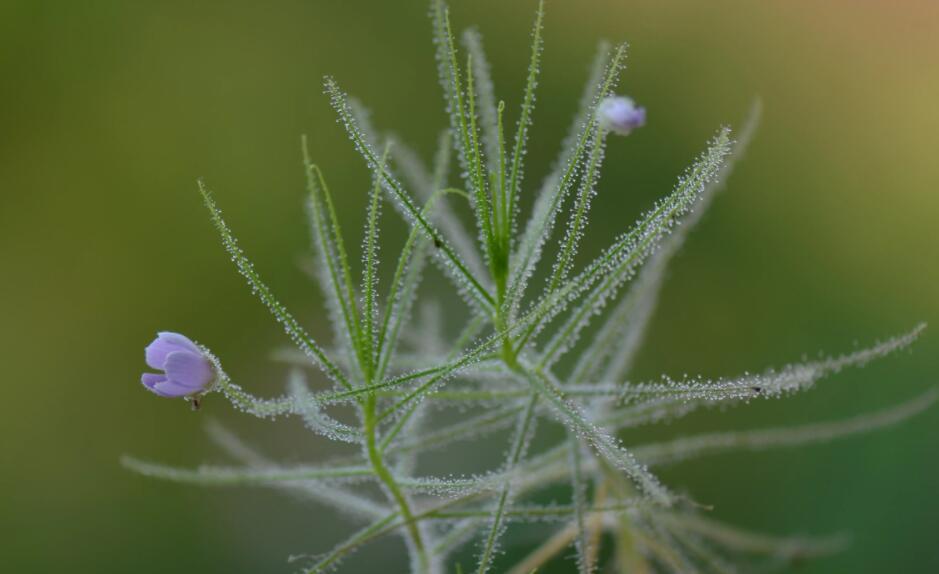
[543,339]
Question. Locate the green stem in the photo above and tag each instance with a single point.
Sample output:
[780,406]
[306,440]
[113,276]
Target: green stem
[384,475]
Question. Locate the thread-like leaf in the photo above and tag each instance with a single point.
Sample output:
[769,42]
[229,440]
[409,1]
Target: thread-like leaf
[601,83]
[473,427]
[534,513]
[579,498]
[524,120]
[700,550]
[745,541]
[248,403]
[619,261]
[425,185]
[333,269]
[461,533]
[402,200]
[343,549]
[485,95]
[231,476]
[696,446]
[624,328]
[670,400]
[260,289]
[313,416]
[331,495]
[581,208]
[606,445]
[460,106]
[516,453]
[369,341]
[403,288]
[773,383]
[486,214]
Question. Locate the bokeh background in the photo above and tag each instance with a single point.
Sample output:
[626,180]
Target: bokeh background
[109,111]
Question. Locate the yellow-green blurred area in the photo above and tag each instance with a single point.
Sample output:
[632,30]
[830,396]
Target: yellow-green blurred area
[109,112]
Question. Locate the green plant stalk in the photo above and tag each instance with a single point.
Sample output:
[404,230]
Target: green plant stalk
[383,474]
[369,342]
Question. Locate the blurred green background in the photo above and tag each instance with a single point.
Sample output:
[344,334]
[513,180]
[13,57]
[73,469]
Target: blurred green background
[109,111]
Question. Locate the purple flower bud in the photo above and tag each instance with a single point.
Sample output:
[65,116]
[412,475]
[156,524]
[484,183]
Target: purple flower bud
[187,370]
[620,115]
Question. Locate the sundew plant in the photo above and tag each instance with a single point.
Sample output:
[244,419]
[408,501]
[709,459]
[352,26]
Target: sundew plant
[546,339]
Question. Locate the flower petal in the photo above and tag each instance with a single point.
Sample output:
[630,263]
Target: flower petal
[150,380]
[620,115]
[165,343]
[170,389]
[189,370]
